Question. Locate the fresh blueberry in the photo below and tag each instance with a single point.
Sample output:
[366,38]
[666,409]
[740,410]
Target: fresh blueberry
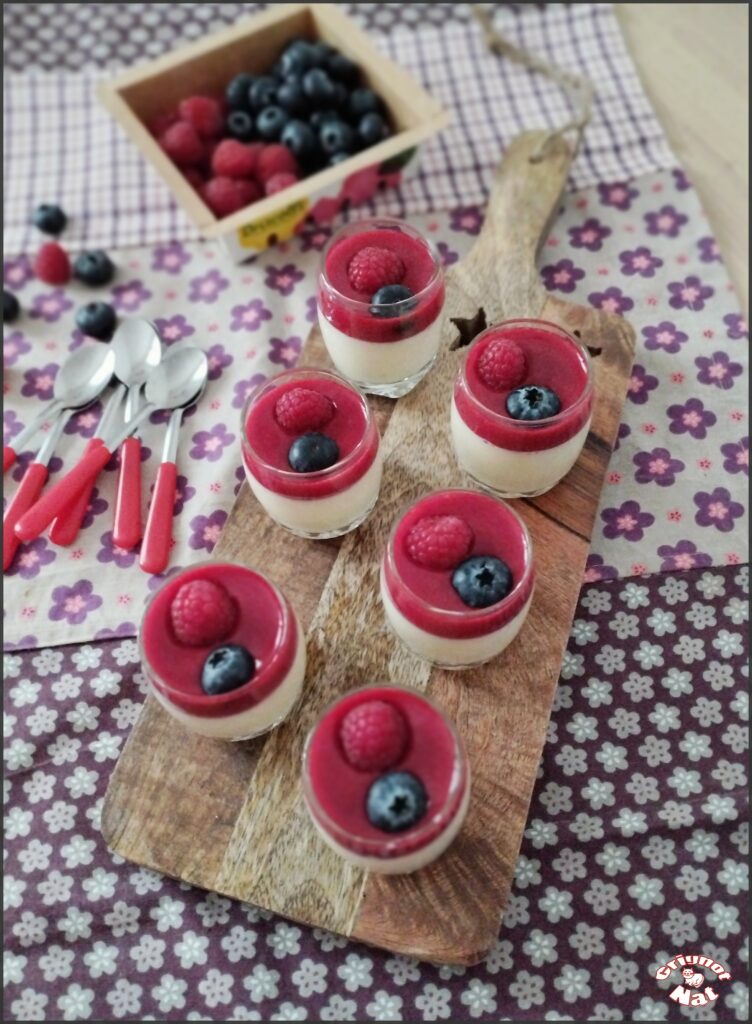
[226,668]
[364,101]
[290,97]
[298,57]
[271,122]
[50,219]
[321,53]
[318,118]
[94,267]
[482,581]
[385,300]
[97,319]
[319,88]
[337,137]
[11,308]
[300,139]
[396,801]
[342,69]
[341,98]
[312,452]
[532,402]
[263,92]
[372,128]
[238,92]
[239,125]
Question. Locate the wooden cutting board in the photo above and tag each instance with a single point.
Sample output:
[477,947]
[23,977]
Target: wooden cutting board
[229,817]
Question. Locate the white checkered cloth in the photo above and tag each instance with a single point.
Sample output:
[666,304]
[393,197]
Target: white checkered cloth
[61,146]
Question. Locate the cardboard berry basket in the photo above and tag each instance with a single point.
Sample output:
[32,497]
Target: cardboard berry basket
[144,93]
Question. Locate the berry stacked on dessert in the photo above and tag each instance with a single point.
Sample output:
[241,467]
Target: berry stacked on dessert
[522,406]
[311,452]
[386,779]
[457,578]
[381,293]
[223,651]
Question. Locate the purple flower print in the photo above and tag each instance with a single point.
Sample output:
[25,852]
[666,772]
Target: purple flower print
[96,507]
[218,359]
[171,258]
[174,328]
[40,383]
[285,351]
[74,603]
[448,256]
[26,643]
[109,552]
[283,279]
[314,237]
[596,570]
[114,462]
[25,458]
[639,261]
[183,494]
[657,466]
[77,340]
[467,219]
[624,431]
[50,306]
[627,521]
[736,326]
[311,310]
[736,456]
[691,418]
[249,317]
[17,273]
[716,509]
[690,293]
[243,388]
[562,276]
[205,530]
[12,425]
[717,369]
[155,582]
[640,384]
[681,181]
[14,345]
[240,478]
[613,300]
[684,556]
[124,629]
[209,444]
[207,287]
[129,296]
[31,558]
[618,194]
[85,423]
[709,251]
[589,235]
[666,221]
[665,337]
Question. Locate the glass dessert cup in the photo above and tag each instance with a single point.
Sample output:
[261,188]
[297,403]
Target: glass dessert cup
[517,457]
[386,354]
[422,605]
[338,793]
[321,503]
[265,624]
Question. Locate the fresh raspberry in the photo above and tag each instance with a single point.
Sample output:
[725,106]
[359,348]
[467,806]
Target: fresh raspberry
[202,613]
[273,160]
[279,181]
[224,196]
[233,159]
[205,113]
[194,177]
[439,542]
[374,736]
[182,143]
[502,365]
[159,125]
[52,264]
[374,267]
[301,409]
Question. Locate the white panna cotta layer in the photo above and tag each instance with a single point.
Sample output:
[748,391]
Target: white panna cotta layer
[254,720]
[410,861]
[513,473]
[451,652]
[322,515]
[380,362]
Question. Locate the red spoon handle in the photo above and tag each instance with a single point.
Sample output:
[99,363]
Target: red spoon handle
[155,551]
[65,528]
[126,532]
[9,457]
[38,518]
[28,491]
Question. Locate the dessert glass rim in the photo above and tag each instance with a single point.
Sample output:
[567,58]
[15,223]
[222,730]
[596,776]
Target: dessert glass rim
[386,223]
[469,613]
[307,372]
[286,622]
[505,418]
[389,845]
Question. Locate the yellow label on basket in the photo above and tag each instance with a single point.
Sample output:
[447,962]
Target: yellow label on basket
[277,227]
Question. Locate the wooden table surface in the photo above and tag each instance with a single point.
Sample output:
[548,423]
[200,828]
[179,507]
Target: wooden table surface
[694,63]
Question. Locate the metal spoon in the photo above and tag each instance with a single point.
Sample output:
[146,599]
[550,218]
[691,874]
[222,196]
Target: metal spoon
[174,382]
[84,374]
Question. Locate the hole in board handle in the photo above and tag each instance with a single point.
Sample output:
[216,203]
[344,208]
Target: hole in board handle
[469,328]
[594,350]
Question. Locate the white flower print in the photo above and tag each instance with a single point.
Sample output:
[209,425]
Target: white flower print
[17,823]
[125,715]
[635,596]
[556,799]
[56,963]
[261,983]
[612,757]
[479,998]
[584,631]
[101,959]
[649,1009]
[571,760]
[734,876]
[356,972]
[168,914]
[39,787]
[720,808]
[602,896]
[64,750]
[239,943]
[644,788]
[677,682]
[570,864]
[55,888]
[328,940]
[728,644]
[665,717]
[674,590]
[676,815]
[77,851]
[9,722]
[124,998]
[126,653]
[29,1005]
[692,882]
[541,947]
[597,692]
[647,892]
[633,933]
[67,686]
[623,625]
[517,910]
[81,782]
[610,659]
[562,697]
[11,666]
[216,988]
[625,723]
[123,920]
[41,721]
[339,1009]
[309,977]
[148,953]
[736,737]
[702,845]
[19,754]
[723,919]
[433,1002]
[587,940]
[106,747]
[87,657]
[106,683]
[702,616]
[289,1012]
[582,727]
[25,692]
[599,793]
[596,601]
[144,880]
[191,949]
[572,665]
[402,969]
[30,929]
[662,622]
[83,717]
[170,993]
[385,1007]
[285,940]
[740,838]
[736,610]
[13,889]
[707,712]
[738,1000]
[622,975]
[613,859]
[684,781]
[719,674]
[215,909]
[556,904]
[740,705]
[48,662]
[711,585]
[527,872]
[13,968]
[60,817]
[573,983]
[648,655]
[35,857]
[527,990]
[76,924]
[695,745]
[689,649]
